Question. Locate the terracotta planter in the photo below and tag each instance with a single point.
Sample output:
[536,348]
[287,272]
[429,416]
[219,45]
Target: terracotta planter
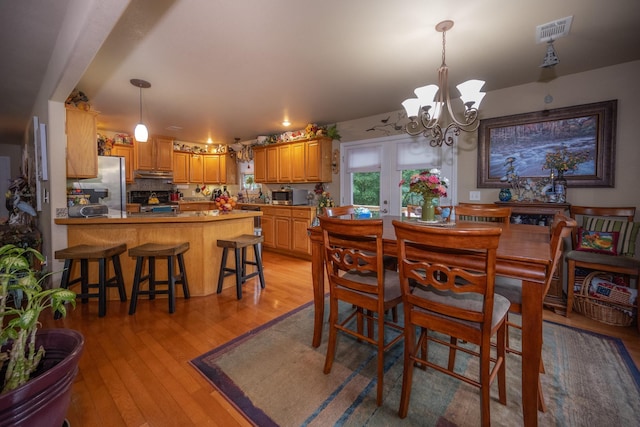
[44,400]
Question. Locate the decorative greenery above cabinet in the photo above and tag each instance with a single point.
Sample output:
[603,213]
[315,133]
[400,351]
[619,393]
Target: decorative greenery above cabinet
[293,162]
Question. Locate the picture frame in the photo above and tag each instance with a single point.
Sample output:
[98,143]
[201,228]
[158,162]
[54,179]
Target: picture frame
[530,136]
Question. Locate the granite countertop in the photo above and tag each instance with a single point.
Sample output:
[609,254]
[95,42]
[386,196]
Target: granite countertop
[199,216]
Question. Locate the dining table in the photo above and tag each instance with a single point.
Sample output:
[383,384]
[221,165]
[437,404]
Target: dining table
[523,253]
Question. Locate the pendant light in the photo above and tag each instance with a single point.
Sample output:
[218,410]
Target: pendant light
[141,133]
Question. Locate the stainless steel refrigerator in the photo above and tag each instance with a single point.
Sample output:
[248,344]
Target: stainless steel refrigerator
[109,188]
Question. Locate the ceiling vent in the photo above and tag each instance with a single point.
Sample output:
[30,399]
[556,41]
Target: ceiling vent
[553,30]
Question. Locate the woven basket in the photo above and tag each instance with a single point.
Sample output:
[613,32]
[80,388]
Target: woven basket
[603,311]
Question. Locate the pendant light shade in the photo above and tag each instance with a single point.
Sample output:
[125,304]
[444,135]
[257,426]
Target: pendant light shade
[141,132]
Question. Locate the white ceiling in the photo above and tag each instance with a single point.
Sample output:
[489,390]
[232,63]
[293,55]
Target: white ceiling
[226,69]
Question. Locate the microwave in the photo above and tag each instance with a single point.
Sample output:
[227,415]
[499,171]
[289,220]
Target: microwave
[289,197]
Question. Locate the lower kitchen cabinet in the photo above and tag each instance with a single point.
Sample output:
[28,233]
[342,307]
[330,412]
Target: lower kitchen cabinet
[284,229]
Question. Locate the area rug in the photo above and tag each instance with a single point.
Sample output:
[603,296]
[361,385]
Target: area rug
[275,377]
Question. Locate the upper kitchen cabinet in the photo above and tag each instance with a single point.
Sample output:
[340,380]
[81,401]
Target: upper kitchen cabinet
[155,154]
[214,169]
[294,162]
[231,166]
[196,168]
[284,163]
[82,147]
[260,165]
[181,167]
[318,160]
[125,151]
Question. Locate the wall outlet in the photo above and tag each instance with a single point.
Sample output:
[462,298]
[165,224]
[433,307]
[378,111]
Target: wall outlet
[474,195]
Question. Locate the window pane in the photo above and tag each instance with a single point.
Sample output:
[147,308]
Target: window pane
[366,189]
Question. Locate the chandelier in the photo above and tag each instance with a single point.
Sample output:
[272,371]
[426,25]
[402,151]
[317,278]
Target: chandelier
[426,112]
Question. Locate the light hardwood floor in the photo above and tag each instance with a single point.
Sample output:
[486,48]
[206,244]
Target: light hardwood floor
[135,370]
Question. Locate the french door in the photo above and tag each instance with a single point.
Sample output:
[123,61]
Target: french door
[371,171]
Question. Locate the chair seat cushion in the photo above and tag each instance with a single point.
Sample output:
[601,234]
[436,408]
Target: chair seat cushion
[391,282]
[509,288]
[595,258]
[467,301]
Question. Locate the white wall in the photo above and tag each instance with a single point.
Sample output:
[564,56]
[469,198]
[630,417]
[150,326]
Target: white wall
[618,82]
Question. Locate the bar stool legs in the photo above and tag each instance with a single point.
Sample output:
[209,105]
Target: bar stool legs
[149,252]
[239,245]
[102,254]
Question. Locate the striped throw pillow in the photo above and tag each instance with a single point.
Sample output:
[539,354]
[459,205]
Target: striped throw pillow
[628,232]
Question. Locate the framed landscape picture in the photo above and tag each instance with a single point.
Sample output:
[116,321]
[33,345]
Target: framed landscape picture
[527,138]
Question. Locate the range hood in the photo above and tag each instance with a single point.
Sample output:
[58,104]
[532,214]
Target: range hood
[154,174]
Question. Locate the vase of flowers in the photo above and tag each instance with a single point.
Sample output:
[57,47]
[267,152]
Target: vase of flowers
[563,161]
[431,186]
[324,200]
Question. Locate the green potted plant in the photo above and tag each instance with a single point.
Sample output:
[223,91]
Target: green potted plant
[38,366]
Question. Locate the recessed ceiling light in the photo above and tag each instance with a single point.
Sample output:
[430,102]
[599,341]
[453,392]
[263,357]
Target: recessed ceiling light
[209,141]
[286,123]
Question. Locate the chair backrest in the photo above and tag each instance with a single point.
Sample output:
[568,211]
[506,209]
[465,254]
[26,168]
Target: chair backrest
[353,246]
[451,261]
[579,213]
[348,211]
[561,229]
[480,212]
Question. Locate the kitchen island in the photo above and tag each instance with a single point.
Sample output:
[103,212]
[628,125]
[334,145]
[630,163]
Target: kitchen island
[201,229]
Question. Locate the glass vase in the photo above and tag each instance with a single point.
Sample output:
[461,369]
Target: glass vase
[428,209]
[560,187]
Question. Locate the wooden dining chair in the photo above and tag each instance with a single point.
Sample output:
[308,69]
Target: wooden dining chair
[483,212]
[604,220]
[348,211]
[447,287]
[354,264]
[510,288]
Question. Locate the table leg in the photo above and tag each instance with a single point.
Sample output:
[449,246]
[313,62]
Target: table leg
[532,293]
[317,277]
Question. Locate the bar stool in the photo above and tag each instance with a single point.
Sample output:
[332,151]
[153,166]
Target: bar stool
[151,251]
[102,254]
[239,245]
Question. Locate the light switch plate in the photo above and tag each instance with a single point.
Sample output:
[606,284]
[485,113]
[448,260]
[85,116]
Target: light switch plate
[474,195]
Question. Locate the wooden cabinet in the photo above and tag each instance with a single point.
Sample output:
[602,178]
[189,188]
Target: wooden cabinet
[260,165]
[181,167]
[284,163]
[298,156]
[127,152]
[155,154]
[214,172]
[284,229]
[318,160]
[272,164]
[294,162]
[196,169]
[268,230]
[82,145]
[196,206]
[231,169]
[300,222]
